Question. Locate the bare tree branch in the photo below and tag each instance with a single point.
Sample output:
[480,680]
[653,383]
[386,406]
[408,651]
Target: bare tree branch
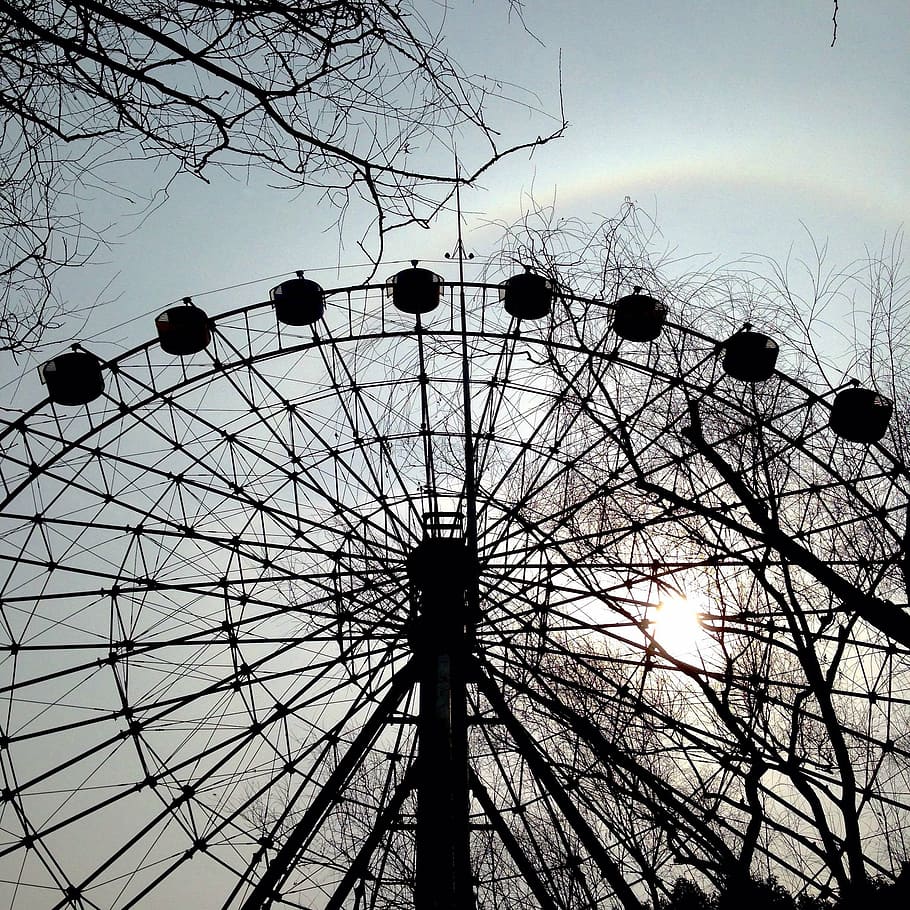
[356,98]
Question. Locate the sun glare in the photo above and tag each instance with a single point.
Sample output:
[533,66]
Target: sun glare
[678,629]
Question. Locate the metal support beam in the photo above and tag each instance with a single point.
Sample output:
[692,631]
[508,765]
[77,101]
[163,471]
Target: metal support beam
[282,863]
[357,871]
[550,783]
[440,570]
[522,862]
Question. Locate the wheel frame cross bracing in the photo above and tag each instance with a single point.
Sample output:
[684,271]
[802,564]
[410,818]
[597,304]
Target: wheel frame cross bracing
[365,613]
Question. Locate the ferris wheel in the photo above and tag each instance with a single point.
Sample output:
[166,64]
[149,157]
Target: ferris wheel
[441,595]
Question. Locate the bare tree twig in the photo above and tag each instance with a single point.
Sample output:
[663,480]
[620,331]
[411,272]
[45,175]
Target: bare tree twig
[356,98]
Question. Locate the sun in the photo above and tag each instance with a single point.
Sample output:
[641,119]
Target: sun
[677,625]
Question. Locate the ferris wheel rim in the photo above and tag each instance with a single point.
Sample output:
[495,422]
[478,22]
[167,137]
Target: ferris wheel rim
[299,349]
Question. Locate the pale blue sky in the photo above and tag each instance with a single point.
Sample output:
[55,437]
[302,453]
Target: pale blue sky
[734,123]
[731,122]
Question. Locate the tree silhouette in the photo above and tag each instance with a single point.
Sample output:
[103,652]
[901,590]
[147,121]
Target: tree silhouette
[359,99]
[805,606]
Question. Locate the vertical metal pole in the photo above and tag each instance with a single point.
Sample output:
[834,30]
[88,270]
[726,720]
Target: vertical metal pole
[443,864]
[445,572]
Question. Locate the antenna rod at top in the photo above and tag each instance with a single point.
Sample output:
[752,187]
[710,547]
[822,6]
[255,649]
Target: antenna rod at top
[470,481]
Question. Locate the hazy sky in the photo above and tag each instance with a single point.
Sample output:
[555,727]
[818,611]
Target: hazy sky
[734,124]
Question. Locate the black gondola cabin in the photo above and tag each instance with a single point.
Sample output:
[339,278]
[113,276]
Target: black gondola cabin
[527,296]
[73,378]
[639,317]
[860,415]
[298,301]
[415,290]
[750,356]
[183,330]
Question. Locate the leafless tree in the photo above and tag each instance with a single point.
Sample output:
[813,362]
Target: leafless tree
[358,98]
[41,231]
[773,755]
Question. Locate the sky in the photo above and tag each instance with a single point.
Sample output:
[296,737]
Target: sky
[735,125]
[731,121]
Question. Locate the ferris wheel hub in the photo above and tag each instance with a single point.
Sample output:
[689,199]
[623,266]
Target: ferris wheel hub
[441,565]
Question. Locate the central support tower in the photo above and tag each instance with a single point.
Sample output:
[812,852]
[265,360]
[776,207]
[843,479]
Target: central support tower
[442,570]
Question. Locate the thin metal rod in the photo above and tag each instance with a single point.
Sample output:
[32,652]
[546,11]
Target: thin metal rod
[280,867]
[423,379]
[544,773]
[470,479]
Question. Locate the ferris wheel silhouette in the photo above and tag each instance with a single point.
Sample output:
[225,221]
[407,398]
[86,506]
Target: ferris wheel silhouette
[352,598]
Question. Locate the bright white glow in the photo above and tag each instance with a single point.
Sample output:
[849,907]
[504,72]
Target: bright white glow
[677,628]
